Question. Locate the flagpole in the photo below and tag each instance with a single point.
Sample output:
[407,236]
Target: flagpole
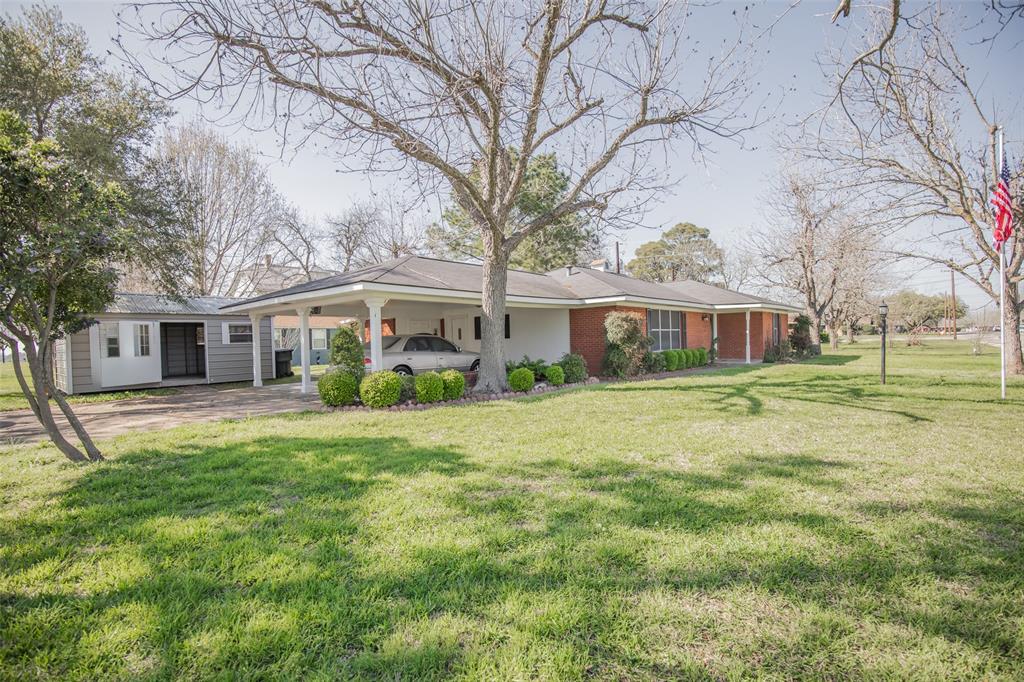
[1002,282]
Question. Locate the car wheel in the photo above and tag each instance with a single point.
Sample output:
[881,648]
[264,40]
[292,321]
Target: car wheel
[403,370]
[475,367]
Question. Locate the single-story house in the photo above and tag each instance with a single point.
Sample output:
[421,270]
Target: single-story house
[148,340]
[548,314]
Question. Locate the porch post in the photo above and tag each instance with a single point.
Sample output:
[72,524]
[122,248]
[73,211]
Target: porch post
[304,346]
[747,315]
[376,353]
[257,364]
[714,334]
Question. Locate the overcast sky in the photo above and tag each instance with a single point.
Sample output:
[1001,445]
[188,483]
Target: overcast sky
[722,194]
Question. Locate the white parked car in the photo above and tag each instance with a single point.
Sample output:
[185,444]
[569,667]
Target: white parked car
[416,353]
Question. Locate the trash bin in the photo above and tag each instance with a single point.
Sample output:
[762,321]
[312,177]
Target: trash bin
[283,362]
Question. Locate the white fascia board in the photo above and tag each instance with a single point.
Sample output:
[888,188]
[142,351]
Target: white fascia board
[740,307]
[647,303]
[350,293]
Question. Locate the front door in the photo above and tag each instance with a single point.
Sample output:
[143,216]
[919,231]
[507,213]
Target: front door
[456,330]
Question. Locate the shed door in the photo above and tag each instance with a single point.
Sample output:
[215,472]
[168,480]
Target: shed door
[129,352]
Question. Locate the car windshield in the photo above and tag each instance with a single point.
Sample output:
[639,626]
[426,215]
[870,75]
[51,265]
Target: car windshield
[385,342]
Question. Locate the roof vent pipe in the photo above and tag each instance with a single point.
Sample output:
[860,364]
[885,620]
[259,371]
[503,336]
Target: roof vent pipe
[568,270]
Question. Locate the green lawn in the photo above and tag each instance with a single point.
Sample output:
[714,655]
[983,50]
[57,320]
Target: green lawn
[794,521]
[11,397]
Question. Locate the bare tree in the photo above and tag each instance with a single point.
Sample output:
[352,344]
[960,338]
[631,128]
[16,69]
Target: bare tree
[374,232]
[298,241]
[465,94]
[740,269]
[231,210]
[816,248]
[905,131]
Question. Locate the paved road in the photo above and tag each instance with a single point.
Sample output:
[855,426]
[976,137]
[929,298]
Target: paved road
[194,404]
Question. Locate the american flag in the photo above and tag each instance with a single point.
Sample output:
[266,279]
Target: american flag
[1002,209]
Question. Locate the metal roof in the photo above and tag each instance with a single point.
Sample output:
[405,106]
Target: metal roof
[158,304]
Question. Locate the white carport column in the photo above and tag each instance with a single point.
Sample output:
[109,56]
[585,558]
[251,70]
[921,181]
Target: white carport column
[304,346]
[747,314]
[714,334]
[376,353]
[257,364]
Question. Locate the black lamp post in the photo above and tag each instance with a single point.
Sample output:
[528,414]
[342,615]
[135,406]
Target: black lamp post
[883,310]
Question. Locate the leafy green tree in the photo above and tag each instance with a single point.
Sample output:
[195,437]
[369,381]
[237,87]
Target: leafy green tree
[569,241]
[684,252]
[912,310]
[61,231]
[347,352]
[104,124]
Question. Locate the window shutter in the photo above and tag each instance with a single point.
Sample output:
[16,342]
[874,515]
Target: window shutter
[508,327]
[476,327]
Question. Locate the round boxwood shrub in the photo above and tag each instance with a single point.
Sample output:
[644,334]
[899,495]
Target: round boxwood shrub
[454,384]
[380,389]
[429,387]
[337,388]
[671,360]
[555,375]
[521,379]
[702,356]
[574,366]
[691,357]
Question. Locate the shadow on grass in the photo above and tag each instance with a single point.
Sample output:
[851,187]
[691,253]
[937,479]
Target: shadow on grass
[267,558]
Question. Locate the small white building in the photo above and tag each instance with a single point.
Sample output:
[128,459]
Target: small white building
[147,341]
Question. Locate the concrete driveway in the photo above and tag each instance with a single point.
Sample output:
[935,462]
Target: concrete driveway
[194,404]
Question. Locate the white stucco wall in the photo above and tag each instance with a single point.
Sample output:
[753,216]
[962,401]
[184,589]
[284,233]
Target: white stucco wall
[537,332]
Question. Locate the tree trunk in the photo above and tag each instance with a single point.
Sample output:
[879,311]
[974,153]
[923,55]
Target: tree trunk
[45,415]
[1011,323]
[815,331]
[491,377]
[833,337]
[76,424]
[849,333]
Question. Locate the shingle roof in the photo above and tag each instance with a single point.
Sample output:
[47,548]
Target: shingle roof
[581,283]
[431,273]
[157,304]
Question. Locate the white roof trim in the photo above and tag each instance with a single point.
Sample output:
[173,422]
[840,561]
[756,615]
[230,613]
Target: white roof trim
[354,292]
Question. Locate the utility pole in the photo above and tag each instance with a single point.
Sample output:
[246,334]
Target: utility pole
[952,286]
[618,261]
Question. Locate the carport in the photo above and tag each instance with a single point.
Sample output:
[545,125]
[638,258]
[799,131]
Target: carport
[426,296]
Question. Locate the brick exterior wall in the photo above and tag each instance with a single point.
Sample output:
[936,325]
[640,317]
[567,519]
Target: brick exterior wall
[698,331]
[387,328]
[586,332]
[731,336]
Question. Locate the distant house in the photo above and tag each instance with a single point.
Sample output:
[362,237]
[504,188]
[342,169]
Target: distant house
[148,340]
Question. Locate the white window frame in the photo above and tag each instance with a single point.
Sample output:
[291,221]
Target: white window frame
[105,336]
[313,339]
[225,337]
[137,334]
[660,332]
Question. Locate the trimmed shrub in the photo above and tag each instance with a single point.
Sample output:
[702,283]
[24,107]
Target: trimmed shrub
[574,366]
[454,384]
[616,362]
[408,389]
[538,367]
[520,380]
[691,357]
[702,356]
[429,387]
[555,375]
[380,389]
[625,332]
[347,352]
[337,388]
[671,360]
[654,363]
